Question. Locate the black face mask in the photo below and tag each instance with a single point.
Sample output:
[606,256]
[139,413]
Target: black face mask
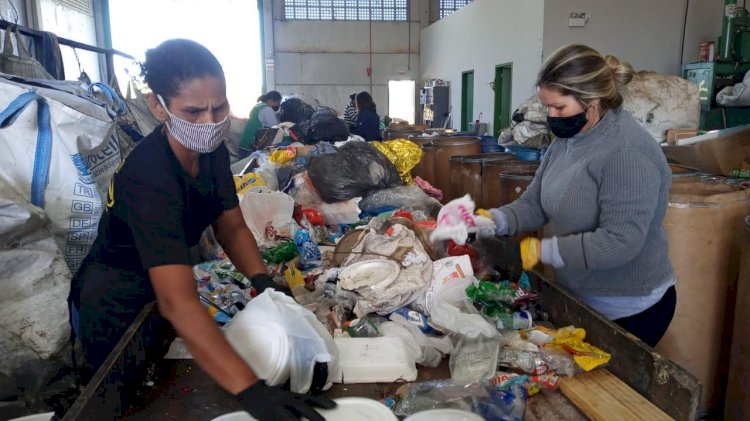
[567,127]
[275,108]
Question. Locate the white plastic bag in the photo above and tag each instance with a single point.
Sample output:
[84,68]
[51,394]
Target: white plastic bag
[341,212]
[427,351]
[444,271]
[453,311]
[61,157]
[456,220]
[310,341]
[35,282]
[262,210]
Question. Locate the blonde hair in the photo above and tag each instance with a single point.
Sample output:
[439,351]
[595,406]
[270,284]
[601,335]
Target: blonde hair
[581,71]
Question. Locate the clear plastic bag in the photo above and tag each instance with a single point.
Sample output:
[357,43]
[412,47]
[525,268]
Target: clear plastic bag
[474,359]
[481,398]
[410,198]
[452,311]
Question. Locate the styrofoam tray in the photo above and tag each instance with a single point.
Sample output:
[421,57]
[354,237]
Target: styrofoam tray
[374,360]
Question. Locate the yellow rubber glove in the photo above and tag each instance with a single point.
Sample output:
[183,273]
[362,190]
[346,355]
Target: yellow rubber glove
[483,212]
[531,251]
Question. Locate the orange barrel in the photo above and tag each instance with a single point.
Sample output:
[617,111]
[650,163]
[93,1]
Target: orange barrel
[442,149]
[424,167]
[514,182]
[703,225]
[491,179]
[466,173]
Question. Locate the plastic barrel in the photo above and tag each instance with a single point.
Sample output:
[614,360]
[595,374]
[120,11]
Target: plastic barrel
[737,403]
[443,149]
[491,179]
[466,173]
[514,182]
[702,225]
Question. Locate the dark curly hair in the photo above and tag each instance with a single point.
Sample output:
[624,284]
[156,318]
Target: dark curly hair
[175,61]
[364,101]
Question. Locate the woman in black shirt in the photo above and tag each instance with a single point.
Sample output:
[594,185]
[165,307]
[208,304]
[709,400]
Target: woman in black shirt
[173,185]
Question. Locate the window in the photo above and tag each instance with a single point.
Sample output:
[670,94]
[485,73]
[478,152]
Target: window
[383,10]
[449,6]
[401,100]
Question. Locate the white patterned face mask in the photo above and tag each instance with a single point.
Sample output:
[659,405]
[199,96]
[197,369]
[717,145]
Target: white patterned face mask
[201,138]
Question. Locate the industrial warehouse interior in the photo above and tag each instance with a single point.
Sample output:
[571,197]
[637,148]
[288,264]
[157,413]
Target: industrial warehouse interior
[447,210]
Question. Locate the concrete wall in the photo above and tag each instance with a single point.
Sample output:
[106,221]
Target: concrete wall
[72,19]
[479,37]
[647,33]
[327,61]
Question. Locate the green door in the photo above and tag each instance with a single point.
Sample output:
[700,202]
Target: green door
[502,86]
[467,99]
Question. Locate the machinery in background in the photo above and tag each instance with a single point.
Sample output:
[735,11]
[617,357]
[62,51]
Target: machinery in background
[729,69]
[434,99]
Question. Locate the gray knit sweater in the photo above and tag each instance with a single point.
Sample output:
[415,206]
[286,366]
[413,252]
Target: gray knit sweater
[604,194]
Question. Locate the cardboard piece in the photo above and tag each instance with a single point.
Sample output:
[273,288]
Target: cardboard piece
[673,135]
[716,152]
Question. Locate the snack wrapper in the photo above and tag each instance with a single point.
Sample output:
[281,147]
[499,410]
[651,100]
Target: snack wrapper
[587,356]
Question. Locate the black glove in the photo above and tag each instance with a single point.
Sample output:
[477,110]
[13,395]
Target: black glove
[262,281]
[268,403]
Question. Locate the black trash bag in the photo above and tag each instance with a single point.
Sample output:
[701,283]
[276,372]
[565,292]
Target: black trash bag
[325,126]
[301,132]
[355,170]
[295,110]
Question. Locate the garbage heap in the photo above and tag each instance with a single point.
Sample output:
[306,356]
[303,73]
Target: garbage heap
[389,279]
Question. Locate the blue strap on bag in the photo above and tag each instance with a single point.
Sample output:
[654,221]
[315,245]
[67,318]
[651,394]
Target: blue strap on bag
[114,105]
[43,156]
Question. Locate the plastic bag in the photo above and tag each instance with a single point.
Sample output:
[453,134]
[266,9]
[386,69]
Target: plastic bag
[250,182]
[456,220]
[355,170]
[265,212]
[325,126]
[410,198]
[444,272]
[474,359]
[309,252]
[427,350]
[482,398]
[310,341]
[587,356]
[452,311]
[346,212]
[404,154]
[295,110]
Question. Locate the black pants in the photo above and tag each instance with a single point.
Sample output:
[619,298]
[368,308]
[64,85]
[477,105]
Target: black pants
[651,324]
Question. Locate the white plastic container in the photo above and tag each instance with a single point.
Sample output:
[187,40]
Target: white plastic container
[374,360]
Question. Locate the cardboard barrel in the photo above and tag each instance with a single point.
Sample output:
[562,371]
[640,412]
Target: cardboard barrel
[491,179]
[466,173]
[442,149]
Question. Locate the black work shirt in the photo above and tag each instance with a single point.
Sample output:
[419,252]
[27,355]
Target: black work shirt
[155,213]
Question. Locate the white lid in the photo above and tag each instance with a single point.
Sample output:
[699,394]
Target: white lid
[376,274]
[444,414]
[235,416]
[348,409]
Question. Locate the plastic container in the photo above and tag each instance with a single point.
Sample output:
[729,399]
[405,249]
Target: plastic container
[466,173]
[263,344]
[524,154]
[491,180]
[702,225]
[374,360]
[348,409]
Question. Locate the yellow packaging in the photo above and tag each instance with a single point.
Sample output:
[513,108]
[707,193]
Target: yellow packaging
[404,154]
[282,156]
[588,357]
[293,277]
[248,182]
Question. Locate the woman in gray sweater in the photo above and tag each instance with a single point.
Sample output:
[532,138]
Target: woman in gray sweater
[601,192]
